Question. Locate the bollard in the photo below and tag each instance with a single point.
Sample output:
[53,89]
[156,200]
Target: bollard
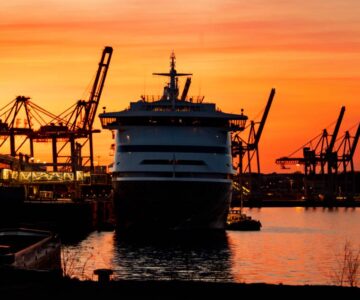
[103,275]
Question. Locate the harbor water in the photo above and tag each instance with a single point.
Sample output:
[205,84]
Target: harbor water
[295,246]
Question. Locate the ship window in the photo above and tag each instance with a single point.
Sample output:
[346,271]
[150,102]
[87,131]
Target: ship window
[172,148]
[173,162]
[201,175]
[164,121]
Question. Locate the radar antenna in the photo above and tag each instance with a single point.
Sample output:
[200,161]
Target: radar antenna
[172,90]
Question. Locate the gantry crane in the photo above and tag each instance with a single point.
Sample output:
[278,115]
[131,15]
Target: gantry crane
[346,150]
[18,120]
[77,124]
[348,185]
[11,127]
[250,148]
[323,162]
[320,155]
[243,152]
[23,119]
[93,102]
[23,123]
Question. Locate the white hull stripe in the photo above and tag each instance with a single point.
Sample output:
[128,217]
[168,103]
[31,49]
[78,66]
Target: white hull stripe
[170,179]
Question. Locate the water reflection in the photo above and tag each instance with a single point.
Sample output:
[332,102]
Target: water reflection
[181,256]
[81,258]
[294,246]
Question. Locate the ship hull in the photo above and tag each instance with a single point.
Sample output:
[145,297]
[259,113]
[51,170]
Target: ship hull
[171,204]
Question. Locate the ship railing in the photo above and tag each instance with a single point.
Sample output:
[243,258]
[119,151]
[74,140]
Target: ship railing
[177,108]
[237,124]
[107,121]
[154,98]
[150,98]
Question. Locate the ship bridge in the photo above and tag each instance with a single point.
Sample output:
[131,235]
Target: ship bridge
[230,122]
[170,109]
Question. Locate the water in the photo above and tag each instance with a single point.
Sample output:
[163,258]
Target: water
[295,246]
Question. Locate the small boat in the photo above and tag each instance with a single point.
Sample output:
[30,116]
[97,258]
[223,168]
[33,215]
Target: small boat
[236,220]
[30,249]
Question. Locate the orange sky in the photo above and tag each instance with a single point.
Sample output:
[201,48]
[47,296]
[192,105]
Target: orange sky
[237,49]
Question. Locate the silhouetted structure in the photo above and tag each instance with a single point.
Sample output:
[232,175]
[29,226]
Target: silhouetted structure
[73,125]
[247,183]
[245,150]
[323,163]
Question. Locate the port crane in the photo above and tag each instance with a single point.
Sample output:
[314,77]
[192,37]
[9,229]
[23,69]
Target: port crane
[77,124]
[322,154]
[246,150]
[18,120]
[346,150]
[348,184]
[31,123]
[322,163]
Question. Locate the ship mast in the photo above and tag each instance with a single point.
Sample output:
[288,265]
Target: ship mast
[172,90]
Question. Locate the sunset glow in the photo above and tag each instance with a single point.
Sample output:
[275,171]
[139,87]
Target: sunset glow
[237,50]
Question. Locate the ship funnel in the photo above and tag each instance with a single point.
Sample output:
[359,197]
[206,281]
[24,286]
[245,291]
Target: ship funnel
[186,89]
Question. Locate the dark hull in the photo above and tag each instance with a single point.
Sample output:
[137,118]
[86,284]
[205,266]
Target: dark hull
[11,202]
[168,205]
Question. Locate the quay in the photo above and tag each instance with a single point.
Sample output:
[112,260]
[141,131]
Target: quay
[301,203]
[65,216]
[52,286]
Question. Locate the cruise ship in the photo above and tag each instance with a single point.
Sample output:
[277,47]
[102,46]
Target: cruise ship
[172,162]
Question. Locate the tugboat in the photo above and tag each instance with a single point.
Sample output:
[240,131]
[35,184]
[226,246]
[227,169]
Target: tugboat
[236,220]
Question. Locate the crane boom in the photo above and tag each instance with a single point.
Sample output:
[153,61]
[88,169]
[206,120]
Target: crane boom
[336,130]
[355,141]
[330,156]
[263,120]
[93,102]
